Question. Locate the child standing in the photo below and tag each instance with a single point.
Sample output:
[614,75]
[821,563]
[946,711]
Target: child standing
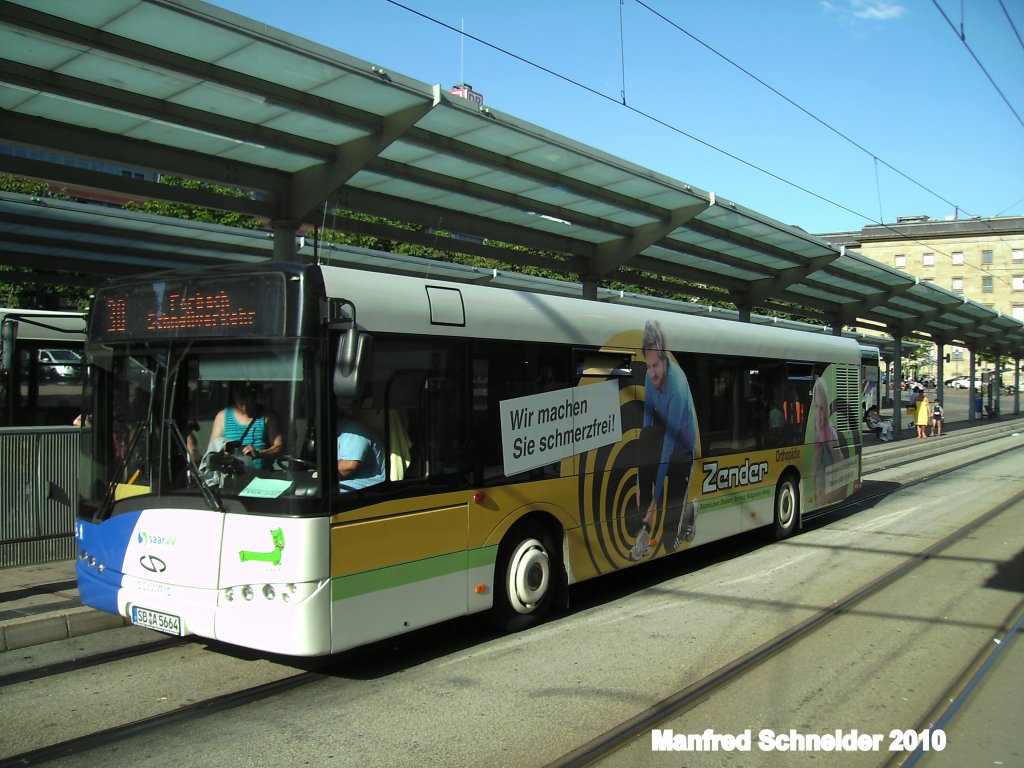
[937,414]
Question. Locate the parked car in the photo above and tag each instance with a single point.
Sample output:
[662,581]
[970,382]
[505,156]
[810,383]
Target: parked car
[928,382]
[964,382]
[59,364]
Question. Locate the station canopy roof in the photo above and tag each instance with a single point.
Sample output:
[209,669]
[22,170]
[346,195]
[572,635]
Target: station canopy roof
[183,88]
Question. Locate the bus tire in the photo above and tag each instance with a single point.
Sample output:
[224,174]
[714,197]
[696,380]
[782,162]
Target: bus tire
[526,577]
[787,506]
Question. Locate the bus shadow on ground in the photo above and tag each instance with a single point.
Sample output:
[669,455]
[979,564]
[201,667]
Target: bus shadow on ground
[871,493]
[397,654]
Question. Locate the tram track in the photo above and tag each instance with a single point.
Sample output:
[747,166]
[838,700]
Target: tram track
[611,741]
[92,660]
[180,715]
[861,498]
[620,736]
[973,676]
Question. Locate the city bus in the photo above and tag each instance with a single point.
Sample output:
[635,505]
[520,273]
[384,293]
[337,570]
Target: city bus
[511,444]
[41,357]
[41,372]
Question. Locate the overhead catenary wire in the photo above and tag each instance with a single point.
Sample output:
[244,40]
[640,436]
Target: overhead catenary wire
[963,39]
[1013,26]
[703,142]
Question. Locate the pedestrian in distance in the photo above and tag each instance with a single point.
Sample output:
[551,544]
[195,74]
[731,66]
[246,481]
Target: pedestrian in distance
[878,425]
[923,415]
[937,414]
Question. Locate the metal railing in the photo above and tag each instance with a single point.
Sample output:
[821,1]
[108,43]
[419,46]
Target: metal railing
[38,494]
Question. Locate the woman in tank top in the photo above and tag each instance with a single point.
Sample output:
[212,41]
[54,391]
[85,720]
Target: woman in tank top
[255,428]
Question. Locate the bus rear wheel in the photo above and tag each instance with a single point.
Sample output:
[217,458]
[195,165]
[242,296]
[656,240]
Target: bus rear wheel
[787,506]
[526,578]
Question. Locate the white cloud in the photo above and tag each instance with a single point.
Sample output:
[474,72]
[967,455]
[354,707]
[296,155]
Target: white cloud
[877,10]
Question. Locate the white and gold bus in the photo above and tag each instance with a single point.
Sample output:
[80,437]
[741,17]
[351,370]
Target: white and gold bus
[510,444]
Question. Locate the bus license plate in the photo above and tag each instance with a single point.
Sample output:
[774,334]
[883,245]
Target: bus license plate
[161,622]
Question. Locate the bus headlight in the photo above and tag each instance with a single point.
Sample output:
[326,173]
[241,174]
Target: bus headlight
[292,592]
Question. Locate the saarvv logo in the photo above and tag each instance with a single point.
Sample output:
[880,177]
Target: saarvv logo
[156,540]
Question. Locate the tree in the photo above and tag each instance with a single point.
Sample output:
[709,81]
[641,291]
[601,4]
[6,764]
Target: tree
[41,290]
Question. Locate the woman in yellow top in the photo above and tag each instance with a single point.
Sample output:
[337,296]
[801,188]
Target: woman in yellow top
[924,414]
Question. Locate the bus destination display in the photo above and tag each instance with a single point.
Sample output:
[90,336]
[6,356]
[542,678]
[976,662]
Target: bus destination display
[251,305]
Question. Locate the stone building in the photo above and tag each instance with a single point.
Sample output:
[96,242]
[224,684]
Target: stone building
[982,259]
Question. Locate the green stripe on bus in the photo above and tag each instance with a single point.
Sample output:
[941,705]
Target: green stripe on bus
[400,575]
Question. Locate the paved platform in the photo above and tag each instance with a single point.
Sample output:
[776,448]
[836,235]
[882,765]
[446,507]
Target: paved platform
[39,604]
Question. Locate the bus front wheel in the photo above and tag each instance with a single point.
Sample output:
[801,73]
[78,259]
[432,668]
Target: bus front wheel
[526,578]
[787,506]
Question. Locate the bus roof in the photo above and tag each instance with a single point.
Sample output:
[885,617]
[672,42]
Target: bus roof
[403,304]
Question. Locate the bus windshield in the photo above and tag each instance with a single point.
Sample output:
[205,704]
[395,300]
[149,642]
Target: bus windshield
[213,424]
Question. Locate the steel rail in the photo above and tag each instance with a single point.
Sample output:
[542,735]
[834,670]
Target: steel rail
[624,733]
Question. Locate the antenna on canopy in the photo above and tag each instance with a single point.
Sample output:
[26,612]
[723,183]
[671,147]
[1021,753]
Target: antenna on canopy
[462,51]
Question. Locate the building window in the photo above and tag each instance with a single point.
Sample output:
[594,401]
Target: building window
[1018,312]
[1018,254]
[928,260]
[958,285]
[1018,282]
[958,258]
[901,261]
[986,284]
[986,257]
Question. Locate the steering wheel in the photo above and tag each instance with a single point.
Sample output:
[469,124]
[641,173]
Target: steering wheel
[293,464]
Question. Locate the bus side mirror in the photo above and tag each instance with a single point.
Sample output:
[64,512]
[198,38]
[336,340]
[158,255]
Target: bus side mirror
[8,333]
[351,362]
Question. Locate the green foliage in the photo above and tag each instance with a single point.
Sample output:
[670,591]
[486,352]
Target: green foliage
[33,295]
[194,212]
[38,295]
[31,187]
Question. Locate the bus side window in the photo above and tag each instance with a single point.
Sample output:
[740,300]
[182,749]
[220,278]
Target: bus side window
[414,403]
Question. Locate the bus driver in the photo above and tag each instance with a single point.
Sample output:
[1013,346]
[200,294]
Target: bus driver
[360,457]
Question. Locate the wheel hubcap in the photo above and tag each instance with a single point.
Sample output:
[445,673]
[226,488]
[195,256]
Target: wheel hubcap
[529,574]
[787,505]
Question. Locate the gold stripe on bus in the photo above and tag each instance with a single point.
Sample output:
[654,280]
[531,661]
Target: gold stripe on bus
[368,544]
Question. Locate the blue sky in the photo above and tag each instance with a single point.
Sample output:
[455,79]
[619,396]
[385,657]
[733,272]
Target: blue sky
[892,77]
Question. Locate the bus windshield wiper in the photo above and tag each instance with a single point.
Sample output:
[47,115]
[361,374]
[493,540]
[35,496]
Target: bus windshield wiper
[212,499]
[122,466]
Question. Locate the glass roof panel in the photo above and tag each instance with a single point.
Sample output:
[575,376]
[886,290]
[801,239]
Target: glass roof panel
[170,134]
[269,157]
[279,66]
[13,96]
[223,100]
[36,50]
[119,73]
[332,132]
[169,29]
[80,113]
[367,94]
[94,14]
